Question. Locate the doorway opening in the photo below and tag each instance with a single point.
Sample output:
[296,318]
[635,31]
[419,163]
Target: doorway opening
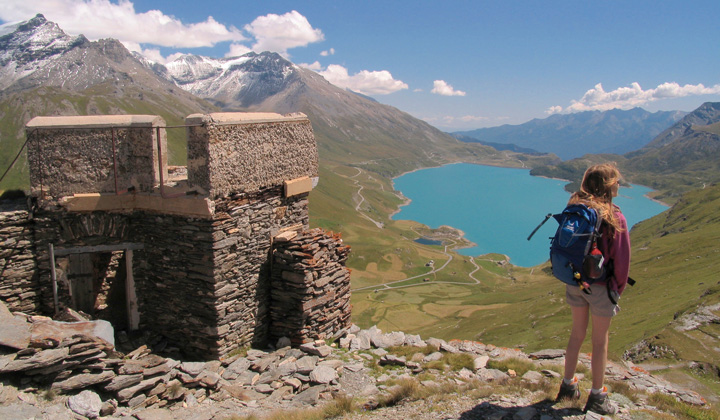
[99,280]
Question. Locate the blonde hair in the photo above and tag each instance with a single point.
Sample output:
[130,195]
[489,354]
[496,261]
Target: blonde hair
[596,191]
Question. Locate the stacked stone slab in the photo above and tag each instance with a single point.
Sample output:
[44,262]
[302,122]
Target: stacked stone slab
[310,287]
[198,249]
[18,271]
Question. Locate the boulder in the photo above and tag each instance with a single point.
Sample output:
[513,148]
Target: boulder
[323,375]
[310,395]
[533,377]
[547,354]
[481,362]
[86,403]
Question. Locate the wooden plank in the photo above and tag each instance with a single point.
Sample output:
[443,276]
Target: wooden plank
[54,279]
[130,296]
[97,248]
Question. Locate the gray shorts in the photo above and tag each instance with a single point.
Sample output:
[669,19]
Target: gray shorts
[598,301]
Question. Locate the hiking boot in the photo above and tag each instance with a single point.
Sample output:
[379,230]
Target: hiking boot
[569,391]
[600,403]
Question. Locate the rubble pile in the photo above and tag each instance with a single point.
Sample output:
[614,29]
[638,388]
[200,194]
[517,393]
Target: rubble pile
[93,379]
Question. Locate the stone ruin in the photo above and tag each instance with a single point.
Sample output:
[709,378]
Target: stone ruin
[212,257]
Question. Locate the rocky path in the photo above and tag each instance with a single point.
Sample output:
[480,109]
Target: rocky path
[367,365]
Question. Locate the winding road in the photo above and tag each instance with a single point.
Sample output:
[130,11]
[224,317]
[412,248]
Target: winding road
[380,225]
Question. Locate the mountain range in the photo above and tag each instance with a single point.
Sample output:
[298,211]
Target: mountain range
[683,157]
[574,135]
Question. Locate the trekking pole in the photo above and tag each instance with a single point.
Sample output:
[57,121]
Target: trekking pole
[540,225]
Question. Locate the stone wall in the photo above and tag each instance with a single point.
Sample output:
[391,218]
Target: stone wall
[199,278]
[69,155]
[175,281]
[244,226]
[310,287]
[19,285]
[231,152]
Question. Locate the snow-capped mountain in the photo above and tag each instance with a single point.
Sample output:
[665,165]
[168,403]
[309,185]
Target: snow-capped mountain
[38,53]
[28,46]
[231,82]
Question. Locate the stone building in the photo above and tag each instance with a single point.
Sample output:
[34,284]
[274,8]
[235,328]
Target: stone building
[184,252]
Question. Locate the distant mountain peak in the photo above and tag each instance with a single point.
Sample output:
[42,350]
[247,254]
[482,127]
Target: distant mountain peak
[29,45]
[234,82]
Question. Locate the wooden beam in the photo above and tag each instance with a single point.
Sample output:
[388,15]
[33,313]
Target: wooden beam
[130,296]
[97,248]
[54,279]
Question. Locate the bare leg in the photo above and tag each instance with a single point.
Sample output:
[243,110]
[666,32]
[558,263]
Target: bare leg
[601,326]
[580,317]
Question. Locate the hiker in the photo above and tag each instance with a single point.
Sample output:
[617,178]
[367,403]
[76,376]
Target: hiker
[599,185]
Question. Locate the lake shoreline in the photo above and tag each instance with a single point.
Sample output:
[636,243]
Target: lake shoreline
[485,190]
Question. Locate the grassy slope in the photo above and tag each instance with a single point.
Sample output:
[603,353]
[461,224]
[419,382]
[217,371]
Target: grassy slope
[677,256]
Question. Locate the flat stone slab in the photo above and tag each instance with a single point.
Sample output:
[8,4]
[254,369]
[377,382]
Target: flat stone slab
[37,361]
[14,332]
[547,354]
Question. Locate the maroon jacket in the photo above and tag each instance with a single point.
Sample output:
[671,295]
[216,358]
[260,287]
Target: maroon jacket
[617,249]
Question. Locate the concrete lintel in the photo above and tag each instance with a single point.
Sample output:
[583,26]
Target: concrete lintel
[96,121]
[231,118]
[298,186]
[187,206]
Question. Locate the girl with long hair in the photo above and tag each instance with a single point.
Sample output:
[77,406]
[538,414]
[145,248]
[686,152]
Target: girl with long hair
[599,185]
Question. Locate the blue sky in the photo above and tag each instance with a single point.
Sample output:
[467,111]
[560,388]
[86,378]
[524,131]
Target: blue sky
[459,65]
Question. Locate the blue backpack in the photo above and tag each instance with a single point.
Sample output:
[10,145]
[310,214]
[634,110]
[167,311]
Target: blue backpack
[574,255]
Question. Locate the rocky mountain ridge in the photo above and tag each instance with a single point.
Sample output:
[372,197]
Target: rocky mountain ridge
[27,46]
[231,82]
[706,114]
[681,158]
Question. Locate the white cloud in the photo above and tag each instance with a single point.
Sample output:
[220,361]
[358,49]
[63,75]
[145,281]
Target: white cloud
[331,51]
[278,33]
[98,19]
[316,66]
[554,110]
[237,50]
[443,88]
[365,82]
[632,96]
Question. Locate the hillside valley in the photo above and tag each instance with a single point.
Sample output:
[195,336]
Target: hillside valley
[363,144]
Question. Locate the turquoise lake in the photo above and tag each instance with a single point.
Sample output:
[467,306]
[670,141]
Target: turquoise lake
[497,208]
